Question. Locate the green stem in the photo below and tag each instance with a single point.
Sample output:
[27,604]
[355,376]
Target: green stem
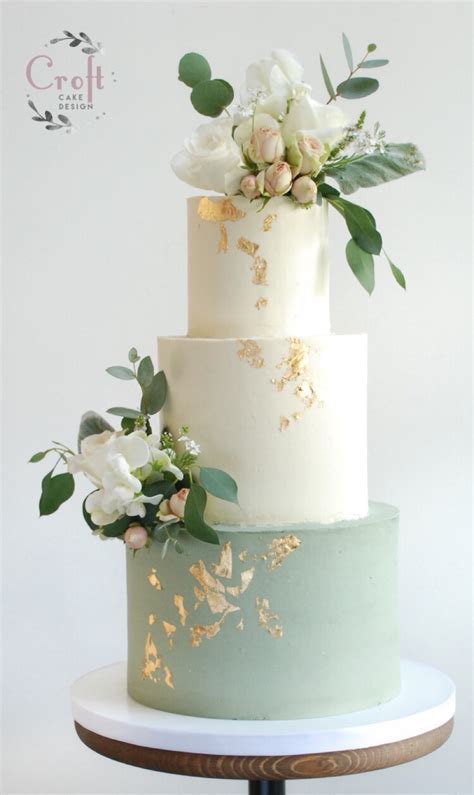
[351,74]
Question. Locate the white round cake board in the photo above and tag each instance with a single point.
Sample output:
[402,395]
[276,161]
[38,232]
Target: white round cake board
[101,704]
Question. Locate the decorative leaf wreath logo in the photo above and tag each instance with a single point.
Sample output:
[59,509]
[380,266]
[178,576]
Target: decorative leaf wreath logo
[89,48]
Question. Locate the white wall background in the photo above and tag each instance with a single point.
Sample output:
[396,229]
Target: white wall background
[95,252]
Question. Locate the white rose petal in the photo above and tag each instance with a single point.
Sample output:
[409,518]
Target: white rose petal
[209,156]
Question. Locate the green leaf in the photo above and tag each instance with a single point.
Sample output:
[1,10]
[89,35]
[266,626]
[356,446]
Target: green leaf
[91,423]
[219,483]
[160,533]
[87,516]
[361,224]
[164,487]
[119,411]
[397,273]
[121,372]
[327,79]
[145,372]
[193,69]
[347,51]
[327,190]
[127,425]
[366,171]
[38,456]
[133,355]
[211,97]
[362,265]
[54,491]
[373,64]
[371,47]
[118,527]
[357,87]
[194,516]
[154,396]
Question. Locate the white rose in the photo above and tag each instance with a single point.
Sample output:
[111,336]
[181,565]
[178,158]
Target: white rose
[304,190]
[280,75]
[278,179]
[265,146]
[325,122]
[244,131]
[210,159]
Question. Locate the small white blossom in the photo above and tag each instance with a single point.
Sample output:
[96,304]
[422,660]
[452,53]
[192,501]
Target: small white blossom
[193,447]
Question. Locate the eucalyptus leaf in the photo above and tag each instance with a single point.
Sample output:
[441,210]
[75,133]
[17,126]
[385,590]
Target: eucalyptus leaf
[366,171]
[211,97]
[327,79]
[120,411]
[145,372]
[91,423]
[357,87]
[373,64]
[219,484]
[193,69]
[160,533]
[397,273]
[194,516]
[361,225]
[371,47]
[347,52]
[362,265]
[121,372]
[154,396]
[117,528]
[39,456]
[55,489]
[133,355]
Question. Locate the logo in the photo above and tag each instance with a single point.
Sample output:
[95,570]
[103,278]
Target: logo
[66,85]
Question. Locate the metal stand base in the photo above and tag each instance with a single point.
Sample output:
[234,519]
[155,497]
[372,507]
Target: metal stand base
[266,788]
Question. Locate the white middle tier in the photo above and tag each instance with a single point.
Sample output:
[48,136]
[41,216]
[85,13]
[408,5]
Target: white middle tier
[286,417]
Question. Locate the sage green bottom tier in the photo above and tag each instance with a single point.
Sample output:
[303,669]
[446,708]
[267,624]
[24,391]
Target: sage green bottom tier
[277,623]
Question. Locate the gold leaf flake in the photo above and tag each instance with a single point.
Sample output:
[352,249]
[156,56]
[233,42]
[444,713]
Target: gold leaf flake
[224,567]
[208,631]
[151,660]
[268,221]
[245,580]
[169,678]
[306,392]
[240,625]
[251,351]
[260,271]
[200,596]
[243,555]
[245,245]
[284,422]
[151,619]
[223,240]
[170,629]
[153,580]
[297,415]
[296,360]
[218,603]
[220,210]
[280,548]
[204,578]
[267,619]
[178,600]
[261,303]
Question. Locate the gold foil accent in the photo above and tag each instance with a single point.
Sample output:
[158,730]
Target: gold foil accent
[251,351]
[261,303]
[151,660]
[284,422]
[280,548]
[245,580]
[224,567]
[297,415]
[268,221]
[267,619]
[306,392]
[208,631]
[169,678]
[223,240]
[200,596]
[296,360]
[170,629]
[151,619]
[213,589]
[260,269]
[178,600]
[240,625]
[153,580]
[245,245]
[220,210]
[243,555]
[205,579]
[218,603]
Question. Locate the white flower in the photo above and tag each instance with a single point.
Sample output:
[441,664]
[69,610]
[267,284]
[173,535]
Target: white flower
[265,146]
[304,190]
[278,179]
[172,510]
[210,159]
[192,447]
[276,79]
[325,122]
[249,187]
[160,461]
[244,131]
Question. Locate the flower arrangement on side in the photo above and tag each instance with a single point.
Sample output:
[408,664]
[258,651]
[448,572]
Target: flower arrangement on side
[279,141]
[146,486]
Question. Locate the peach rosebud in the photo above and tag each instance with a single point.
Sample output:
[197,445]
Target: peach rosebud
[248,186]
[304,190]
[177,502]
[312,149]
[266,145]
[278,179]
[136,536]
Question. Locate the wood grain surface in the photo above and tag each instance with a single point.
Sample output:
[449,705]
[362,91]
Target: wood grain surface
[322,765]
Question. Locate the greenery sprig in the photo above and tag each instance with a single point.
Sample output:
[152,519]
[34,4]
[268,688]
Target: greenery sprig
[208,96]
[48,119]
[76,41]
[353,87]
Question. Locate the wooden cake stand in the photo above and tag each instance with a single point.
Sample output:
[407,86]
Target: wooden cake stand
[265,753]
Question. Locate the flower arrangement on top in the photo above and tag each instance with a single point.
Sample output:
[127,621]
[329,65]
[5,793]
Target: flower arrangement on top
[279,141]
[146,486]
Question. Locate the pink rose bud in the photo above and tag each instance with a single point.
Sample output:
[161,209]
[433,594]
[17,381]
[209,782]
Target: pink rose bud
[136,536]
[304,190]
[266,145]
[278,179]
[248,186]
[178,501]
[311,148]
